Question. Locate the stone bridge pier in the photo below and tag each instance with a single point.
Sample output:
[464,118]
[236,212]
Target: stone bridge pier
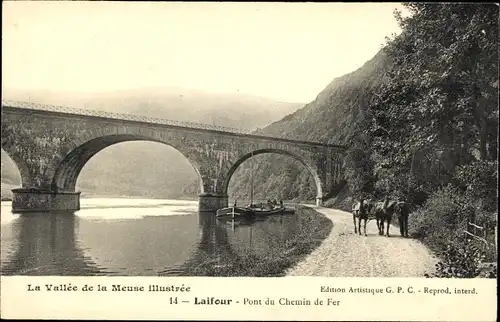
[51,145]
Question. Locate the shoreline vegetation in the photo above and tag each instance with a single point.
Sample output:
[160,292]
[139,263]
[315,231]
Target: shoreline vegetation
[96,196]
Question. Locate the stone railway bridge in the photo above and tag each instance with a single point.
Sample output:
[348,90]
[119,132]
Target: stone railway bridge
[51,144]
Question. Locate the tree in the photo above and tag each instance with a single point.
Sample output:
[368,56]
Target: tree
[441,92]
[359,166]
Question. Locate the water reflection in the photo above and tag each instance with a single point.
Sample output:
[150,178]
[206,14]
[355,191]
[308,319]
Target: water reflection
[262,236]
[42,244]
[134,240]
[212,249]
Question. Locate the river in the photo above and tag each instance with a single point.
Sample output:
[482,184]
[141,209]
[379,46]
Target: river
[147,237]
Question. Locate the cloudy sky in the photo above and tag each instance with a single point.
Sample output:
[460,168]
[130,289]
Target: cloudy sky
[284,51]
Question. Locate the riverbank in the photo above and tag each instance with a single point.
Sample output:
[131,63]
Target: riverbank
[314,228]
[345,254]
[6,195]
[5,191]
[91,195]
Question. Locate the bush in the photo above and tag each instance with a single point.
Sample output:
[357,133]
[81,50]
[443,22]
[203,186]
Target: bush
[462,260]
[478,181]
[440,224]
[440,219]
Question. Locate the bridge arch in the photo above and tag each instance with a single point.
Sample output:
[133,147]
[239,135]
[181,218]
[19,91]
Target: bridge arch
[20,163]
[230,169]
[65,171]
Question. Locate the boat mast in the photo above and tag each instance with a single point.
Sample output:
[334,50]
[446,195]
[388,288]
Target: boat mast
[251,181]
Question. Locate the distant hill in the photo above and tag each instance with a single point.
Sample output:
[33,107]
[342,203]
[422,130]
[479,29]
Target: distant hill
[335,116]
[147,168]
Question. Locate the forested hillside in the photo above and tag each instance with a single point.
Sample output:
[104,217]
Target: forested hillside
[434,134]
[337,110]
[432,139]
[421,123]
[335,116]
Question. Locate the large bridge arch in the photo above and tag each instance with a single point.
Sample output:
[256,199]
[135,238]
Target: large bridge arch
[230,169]
[65,171]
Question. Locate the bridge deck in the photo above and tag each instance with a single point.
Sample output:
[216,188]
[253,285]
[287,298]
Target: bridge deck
[147,119]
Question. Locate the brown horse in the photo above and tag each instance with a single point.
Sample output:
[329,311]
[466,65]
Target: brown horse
[383,213]
[359,210]
[402,210]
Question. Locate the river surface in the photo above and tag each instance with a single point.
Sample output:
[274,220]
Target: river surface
[135,237]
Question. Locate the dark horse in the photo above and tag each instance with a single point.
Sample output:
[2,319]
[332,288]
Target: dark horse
[360,210]
[383,212]
[402,210]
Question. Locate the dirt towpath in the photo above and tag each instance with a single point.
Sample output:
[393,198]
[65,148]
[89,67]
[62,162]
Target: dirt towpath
[345,254]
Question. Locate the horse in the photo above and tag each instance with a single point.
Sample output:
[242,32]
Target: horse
[370,209]
[359,210]
[383,212]
[402,210]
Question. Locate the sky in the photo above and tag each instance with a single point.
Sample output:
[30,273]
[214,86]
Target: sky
[283,51]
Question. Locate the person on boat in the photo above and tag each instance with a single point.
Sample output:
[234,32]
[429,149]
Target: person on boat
[281,203]
[234,204]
